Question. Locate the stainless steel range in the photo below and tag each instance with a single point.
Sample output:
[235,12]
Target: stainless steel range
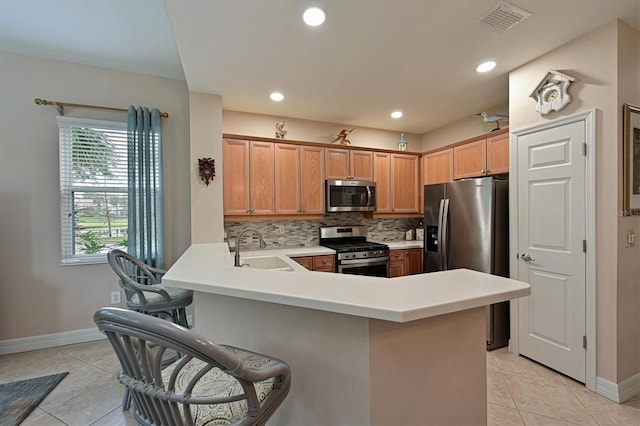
[354,254]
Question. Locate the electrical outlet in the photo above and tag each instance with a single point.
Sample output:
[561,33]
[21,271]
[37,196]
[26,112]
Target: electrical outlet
[279,229]
[631,238]
[225,235]
[379,226]
[116,298]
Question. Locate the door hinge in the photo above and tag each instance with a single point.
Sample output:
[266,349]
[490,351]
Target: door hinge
[584,342]
[584,246]
[584,149]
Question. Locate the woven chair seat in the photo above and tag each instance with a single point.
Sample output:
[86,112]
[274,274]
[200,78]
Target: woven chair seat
[178,296]
[216,382]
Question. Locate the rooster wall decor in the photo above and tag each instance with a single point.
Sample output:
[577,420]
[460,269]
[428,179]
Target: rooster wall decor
[342,136]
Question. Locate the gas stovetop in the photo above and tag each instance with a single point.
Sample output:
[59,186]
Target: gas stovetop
[348,239]
[353,246]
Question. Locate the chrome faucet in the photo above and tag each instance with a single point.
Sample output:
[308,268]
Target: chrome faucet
[262,243]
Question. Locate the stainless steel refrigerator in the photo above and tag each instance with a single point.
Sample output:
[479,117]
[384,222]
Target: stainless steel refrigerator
[467,226]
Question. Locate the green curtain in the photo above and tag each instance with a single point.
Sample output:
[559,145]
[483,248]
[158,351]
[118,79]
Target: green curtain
[146,215]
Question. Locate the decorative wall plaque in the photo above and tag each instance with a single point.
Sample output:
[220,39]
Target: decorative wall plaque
[551,93]
[207,168]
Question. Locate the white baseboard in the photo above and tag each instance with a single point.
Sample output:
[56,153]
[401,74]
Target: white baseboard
[619,392]
[44,341]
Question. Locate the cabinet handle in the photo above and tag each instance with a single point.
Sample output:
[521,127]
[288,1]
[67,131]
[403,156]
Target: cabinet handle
[324,261]
[248,210]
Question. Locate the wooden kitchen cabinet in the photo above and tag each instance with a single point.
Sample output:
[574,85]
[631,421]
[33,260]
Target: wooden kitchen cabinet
[438,166]
[413,261]
[405,262]
[397,182]
[348,163]
[306,261]
[397,263]
[299,179]
[470,159]
[404,183]
[248,177]
[498,154]
[323,263]
[483,157]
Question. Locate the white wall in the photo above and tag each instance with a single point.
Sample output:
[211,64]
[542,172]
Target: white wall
[593,60]
[243,123]
[465,128]
[37,295]
[207,214]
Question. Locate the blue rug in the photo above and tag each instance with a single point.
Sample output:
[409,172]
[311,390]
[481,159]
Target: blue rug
[19,399]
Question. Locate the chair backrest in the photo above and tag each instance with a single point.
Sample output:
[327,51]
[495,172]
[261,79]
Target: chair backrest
[162,395]
[132,273]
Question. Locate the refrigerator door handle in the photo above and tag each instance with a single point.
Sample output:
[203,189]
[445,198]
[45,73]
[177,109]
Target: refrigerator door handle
[444,244]
[440,242]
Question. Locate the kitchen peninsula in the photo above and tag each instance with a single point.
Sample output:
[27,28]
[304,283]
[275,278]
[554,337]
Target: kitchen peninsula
[362,350]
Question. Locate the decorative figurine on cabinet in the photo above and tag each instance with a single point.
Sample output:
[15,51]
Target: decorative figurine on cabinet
[280,132]
[343,135]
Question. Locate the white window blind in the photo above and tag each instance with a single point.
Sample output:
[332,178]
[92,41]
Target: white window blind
[93,188]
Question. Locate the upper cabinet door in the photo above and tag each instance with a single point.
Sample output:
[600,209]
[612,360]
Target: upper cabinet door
[337,163]
[361,164]
[236,177]
[404,183]
[287,177]
[312,179]
[382,178]
[498,154]
[470,159]
[438,167]
[261,160]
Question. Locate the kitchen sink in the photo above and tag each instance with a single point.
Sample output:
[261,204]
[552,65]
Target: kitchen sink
[271,263]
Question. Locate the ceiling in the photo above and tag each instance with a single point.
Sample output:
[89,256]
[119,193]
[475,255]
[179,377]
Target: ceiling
[369,58]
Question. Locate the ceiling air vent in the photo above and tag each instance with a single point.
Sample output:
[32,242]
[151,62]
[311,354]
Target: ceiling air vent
[503,17]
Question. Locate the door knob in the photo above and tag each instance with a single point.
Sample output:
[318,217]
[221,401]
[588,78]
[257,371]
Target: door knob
[527,258]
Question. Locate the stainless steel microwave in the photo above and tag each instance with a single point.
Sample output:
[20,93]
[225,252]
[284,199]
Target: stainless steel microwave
[350,196]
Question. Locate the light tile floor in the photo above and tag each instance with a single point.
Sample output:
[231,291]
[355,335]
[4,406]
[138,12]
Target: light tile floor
[519,391]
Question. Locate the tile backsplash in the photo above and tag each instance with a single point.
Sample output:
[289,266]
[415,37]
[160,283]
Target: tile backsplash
[289,233]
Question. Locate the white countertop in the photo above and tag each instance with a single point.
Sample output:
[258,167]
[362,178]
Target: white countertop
[209,268]
[403,244]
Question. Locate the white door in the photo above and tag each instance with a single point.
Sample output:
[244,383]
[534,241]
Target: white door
[551,231]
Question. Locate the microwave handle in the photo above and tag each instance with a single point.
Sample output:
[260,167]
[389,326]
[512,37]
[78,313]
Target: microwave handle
[368,196]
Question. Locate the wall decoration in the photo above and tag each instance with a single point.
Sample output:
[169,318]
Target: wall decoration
[342,137]
[551,93]
[207,167]
[631,155]
[280,132]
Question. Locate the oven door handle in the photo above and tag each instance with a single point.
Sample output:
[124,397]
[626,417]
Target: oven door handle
[365,262]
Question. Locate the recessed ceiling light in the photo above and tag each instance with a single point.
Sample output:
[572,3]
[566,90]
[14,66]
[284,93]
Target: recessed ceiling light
[486,66]
[313,16]
[396,114]
[276,96]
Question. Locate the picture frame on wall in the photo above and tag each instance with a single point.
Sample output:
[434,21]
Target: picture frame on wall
[631,156]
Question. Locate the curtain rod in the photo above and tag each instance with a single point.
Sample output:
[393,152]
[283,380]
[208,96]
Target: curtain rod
[60,106]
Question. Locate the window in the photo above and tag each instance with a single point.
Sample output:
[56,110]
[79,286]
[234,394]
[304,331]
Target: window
[93,188]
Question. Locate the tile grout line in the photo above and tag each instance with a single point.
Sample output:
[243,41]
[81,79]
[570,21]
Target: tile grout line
[583,406]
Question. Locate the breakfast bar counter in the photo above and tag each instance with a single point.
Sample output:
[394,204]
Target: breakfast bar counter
[363,350]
